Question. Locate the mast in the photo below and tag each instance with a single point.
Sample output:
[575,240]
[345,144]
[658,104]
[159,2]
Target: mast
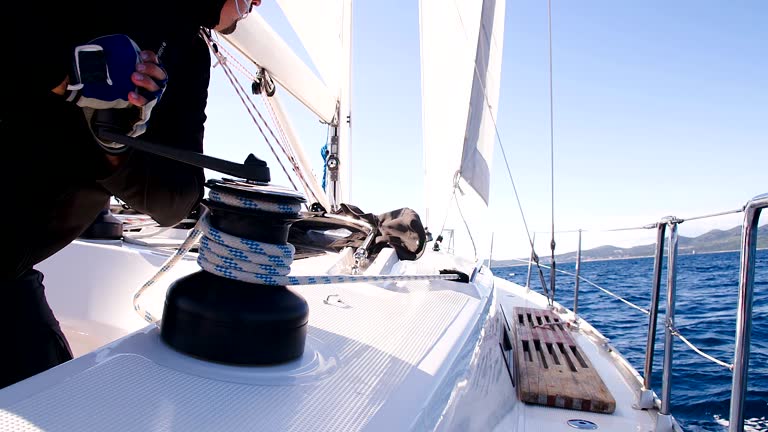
[332,165]
[338,160]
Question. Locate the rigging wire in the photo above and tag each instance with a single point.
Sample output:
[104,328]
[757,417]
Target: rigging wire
[653,225]
[216,48]
[551,153]
[461,214]
[739,210]
[232,59]
[447,211]
[455,199]
[239,90]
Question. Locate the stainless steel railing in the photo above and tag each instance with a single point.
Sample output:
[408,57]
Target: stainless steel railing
[744,311]
[740,367]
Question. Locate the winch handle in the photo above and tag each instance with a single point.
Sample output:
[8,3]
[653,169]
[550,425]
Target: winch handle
[253,169]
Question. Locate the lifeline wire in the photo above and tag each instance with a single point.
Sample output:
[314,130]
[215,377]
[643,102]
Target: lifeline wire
[675,331]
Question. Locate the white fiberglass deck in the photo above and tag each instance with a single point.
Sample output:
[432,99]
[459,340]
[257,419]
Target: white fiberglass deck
[359,360]
[418,355]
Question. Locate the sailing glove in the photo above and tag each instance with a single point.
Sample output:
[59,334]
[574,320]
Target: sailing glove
[101,81]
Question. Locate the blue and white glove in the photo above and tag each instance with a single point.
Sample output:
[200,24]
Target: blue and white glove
[102,80]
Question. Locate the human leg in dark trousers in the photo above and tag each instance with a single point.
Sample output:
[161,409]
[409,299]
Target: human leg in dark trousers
[30,335]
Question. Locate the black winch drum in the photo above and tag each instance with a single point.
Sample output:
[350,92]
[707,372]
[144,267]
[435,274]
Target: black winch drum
[218,319]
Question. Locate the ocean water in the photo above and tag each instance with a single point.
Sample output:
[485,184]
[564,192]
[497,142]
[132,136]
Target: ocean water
[705,314]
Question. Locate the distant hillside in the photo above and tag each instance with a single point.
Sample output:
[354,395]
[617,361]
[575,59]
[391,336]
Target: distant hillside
[712,241]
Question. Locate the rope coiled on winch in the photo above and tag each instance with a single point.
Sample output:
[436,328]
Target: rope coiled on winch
[247,260]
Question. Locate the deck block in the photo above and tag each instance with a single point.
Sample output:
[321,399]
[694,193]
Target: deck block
[551,369]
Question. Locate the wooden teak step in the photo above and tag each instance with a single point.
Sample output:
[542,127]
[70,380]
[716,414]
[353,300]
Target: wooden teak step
[551,369]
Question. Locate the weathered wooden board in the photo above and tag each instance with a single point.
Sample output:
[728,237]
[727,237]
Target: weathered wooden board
[551,369]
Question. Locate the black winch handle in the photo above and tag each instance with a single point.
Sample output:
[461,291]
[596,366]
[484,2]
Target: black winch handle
[253,169]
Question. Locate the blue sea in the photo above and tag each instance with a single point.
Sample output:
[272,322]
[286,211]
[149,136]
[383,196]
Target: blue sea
[705,314]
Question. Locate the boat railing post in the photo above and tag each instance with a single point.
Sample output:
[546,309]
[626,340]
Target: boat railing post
[576,286]
[646,398]
[664,419]
[744,311]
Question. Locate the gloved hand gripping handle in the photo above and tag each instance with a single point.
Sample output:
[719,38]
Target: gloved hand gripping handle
[252,169]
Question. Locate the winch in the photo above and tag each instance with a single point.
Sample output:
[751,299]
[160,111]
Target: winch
[231,310]
[239,308]
[236,309]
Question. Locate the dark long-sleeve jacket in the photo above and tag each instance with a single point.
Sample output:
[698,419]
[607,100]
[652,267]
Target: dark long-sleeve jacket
[60,179]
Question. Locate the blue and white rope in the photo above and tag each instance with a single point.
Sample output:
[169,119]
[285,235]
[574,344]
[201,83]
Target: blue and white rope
[269,264]
[252,261]
[254,204]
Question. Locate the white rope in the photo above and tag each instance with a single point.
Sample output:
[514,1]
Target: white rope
[192,237]
[676,332]
[248,260]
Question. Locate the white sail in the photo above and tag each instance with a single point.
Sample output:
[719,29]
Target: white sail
[483,105]
[318,24]
[257,41]
[461,47]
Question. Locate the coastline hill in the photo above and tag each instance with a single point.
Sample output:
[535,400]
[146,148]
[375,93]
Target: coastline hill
[709,242]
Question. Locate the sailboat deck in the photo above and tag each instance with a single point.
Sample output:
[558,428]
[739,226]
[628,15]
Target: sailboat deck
[374,358]
[366,351]
[393,356]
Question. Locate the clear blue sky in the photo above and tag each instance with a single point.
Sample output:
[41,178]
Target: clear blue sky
[660,108]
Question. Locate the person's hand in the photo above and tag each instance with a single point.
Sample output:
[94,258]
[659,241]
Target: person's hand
[117,85]
[150,77]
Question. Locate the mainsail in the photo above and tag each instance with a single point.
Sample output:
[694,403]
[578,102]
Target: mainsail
[461,49]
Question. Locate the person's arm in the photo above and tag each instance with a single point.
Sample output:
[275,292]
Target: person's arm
[164,189]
